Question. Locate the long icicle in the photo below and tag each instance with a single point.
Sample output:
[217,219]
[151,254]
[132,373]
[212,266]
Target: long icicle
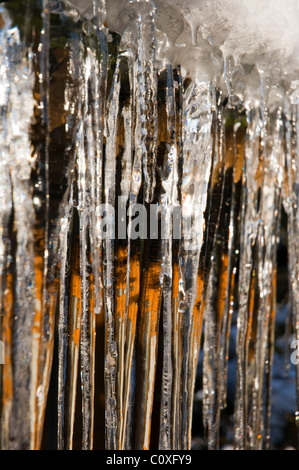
[196,175]
[169,202]
[17,333]
[111,352]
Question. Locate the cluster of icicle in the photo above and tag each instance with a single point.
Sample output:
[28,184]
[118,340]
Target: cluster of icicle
[149,135]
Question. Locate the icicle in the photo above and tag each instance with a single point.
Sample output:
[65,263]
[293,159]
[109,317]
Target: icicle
[17,109]
[216,295]
[6,204]
[94,118]
[247,274]
[220,161]
[147,79]
[69,319]
[220,298]
[261,207]
[228,76]
[129,279]
[270,207]
[85,105]
[145,95]
[87,325]
[169,201]
[63,332]
[196,175]
[291,204]
[110,197]
[176,242]
[98,83]
[42,350]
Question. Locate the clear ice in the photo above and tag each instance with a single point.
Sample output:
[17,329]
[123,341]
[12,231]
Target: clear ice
[149,166]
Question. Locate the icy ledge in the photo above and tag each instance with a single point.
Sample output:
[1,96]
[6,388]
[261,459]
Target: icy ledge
[201,36]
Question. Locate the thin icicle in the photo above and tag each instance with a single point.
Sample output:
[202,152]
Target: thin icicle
[247,274]
[196,175]
[130,318]
[83,209]
[291,204]
[143,172]
[17,109]
[110,197]
[90,161]
[215,312]
[175,411]
[85,105]
[147,77]
[42,351]
[98,82]
[169,201]
[270,207]
[63,330]
[69,319]
[6,205]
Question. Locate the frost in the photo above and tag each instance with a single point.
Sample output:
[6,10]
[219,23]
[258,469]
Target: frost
[182,110]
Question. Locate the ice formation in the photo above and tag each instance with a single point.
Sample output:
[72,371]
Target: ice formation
[183,108]
[199,35]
